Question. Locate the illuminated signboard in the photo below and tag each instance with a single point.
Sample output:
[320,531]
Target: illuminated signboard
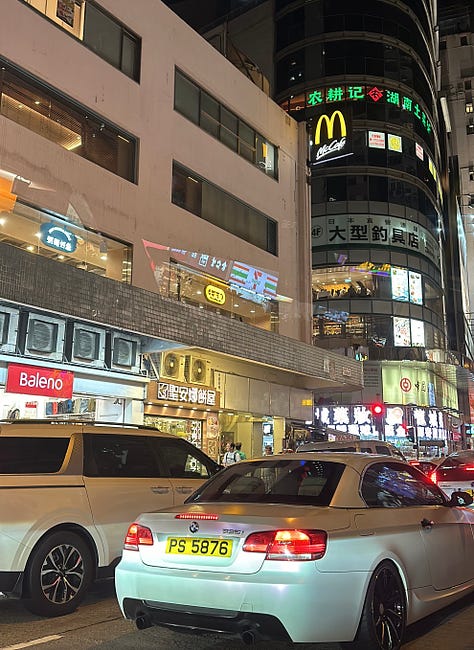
[416,291]
[376,140]
[376,94]
[401,332]
[417,333]
[376,230]
[331,138]
[254,280]
[215,294]
[169,392]
[399,284]
[58,237]
[419,151]
[394,143]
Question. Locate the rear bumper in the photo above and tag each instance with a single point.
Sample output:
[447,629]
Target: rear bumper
[11,583]
[262,626]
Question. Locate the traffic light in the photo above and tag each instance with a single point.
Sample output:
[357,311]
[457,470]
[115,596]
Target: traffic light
[377,409]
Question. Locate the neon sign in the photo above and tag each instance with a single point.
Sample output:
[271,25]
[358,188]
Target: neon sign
[376,94]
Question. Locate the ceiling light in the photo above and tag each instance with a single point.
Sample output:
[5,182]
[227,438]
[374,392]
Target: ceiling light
[30,248]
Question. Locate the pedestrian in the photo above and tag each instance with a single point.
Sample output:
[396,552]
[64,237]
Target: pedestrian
[231,456]
[238,448]
[268,450]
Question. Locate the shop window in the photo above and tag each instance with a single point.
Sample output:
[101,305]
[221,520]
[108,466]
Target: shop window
[98,30]
[84,249]
[44,111]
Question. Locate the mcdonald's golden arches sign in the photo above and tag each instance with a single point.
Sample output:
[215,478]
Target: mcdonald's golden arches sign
[331,137]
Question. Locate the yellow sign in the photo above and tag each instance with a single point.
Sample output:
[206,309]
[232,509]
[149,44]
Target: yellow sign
[329,121]
[215,294]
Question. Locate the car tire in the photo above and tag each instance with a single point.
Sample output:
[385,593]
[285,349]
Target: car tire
[58,574]
[384,615]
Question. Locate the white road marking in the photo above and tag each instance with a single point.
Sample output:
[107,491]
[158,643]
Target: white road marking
[28,644]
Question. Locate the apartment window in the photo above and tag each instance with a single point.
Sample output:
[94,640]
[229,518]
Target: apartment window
[216,119]
[39,108]
[197,195]
[97,29]
[470,127]
[464,40]
[469,108]
[467,85]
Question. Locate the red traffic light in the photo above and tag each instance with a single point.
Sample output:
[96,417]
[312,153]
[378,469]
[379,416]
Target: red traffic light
[377,409]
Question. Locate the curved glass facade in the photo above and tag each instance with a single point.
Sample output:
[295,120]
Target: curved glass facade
[377,198]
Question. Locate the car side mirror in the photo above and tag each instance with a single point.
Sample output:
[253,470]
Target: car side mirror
[460,499]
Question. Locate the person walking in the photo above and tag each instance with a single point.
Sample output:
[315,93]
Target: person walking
[231,456]
[238,448]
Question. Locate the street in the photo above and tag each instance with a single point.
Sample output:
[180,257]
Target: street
[99,624]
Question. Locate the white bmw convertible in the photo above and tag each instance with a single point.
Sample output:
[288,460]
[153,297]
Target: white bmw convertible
[313,547]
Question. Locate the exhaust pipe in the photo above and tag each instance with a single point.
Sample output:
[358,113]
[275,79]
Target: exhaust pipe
[250,636]
[143,621]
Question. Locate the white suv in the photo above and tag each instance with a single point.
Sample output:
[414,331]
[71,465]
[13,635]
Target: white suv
[68,492]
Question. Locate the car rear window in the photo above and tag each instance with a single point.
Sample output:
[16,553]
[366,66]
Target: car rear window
[21,455]
[296,482]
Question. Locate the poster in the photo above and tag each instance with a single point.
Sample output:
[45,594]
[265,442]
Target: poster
[399,284]
[416,290]
[394,142]
[376,140]
[417,333]
[65,11]
[401,332]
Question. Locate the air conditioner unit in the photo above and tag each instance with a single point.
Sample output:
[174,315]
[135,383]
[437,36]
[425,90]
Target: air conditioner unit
[8,329]
[88,345]
[45,337]
[172,366]
[125,349]
[198,371]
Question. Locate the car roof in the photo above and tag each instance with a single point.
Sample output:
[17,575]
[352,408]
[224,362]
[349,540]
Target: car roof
[357,460]
[61,428]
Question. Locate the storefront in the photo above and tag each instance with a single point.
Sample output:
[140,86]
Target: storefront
[66,392]
[185,410]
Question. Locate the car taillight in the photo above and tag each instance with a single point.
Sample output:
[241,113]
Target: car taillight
[288,544]
[433,477]
[137,536]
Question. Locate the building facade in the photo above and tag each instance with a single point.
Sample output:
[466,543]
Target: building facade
[385,259]
[154,231]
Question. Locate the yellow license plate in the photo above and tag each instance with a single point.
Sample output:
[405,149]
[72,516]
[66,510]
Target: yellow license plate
[199,546]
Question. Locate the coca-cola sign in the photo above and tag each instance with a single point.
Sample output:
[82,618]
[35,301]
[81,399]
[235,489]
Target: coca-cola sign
[34,380]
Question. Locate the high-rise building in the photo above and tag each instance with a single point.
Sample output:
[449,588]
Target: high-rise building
[154,231]
[364,77]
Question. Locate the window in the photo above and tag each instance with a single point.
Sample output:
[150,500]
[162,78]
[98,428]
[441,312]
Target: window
[119,456]
[98,30]
[31,455]
[470,127]
[469,108]
[275,481]
[205,200]
[392,485]
[41,109]
[464,41]
[204,110]
[179,459]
